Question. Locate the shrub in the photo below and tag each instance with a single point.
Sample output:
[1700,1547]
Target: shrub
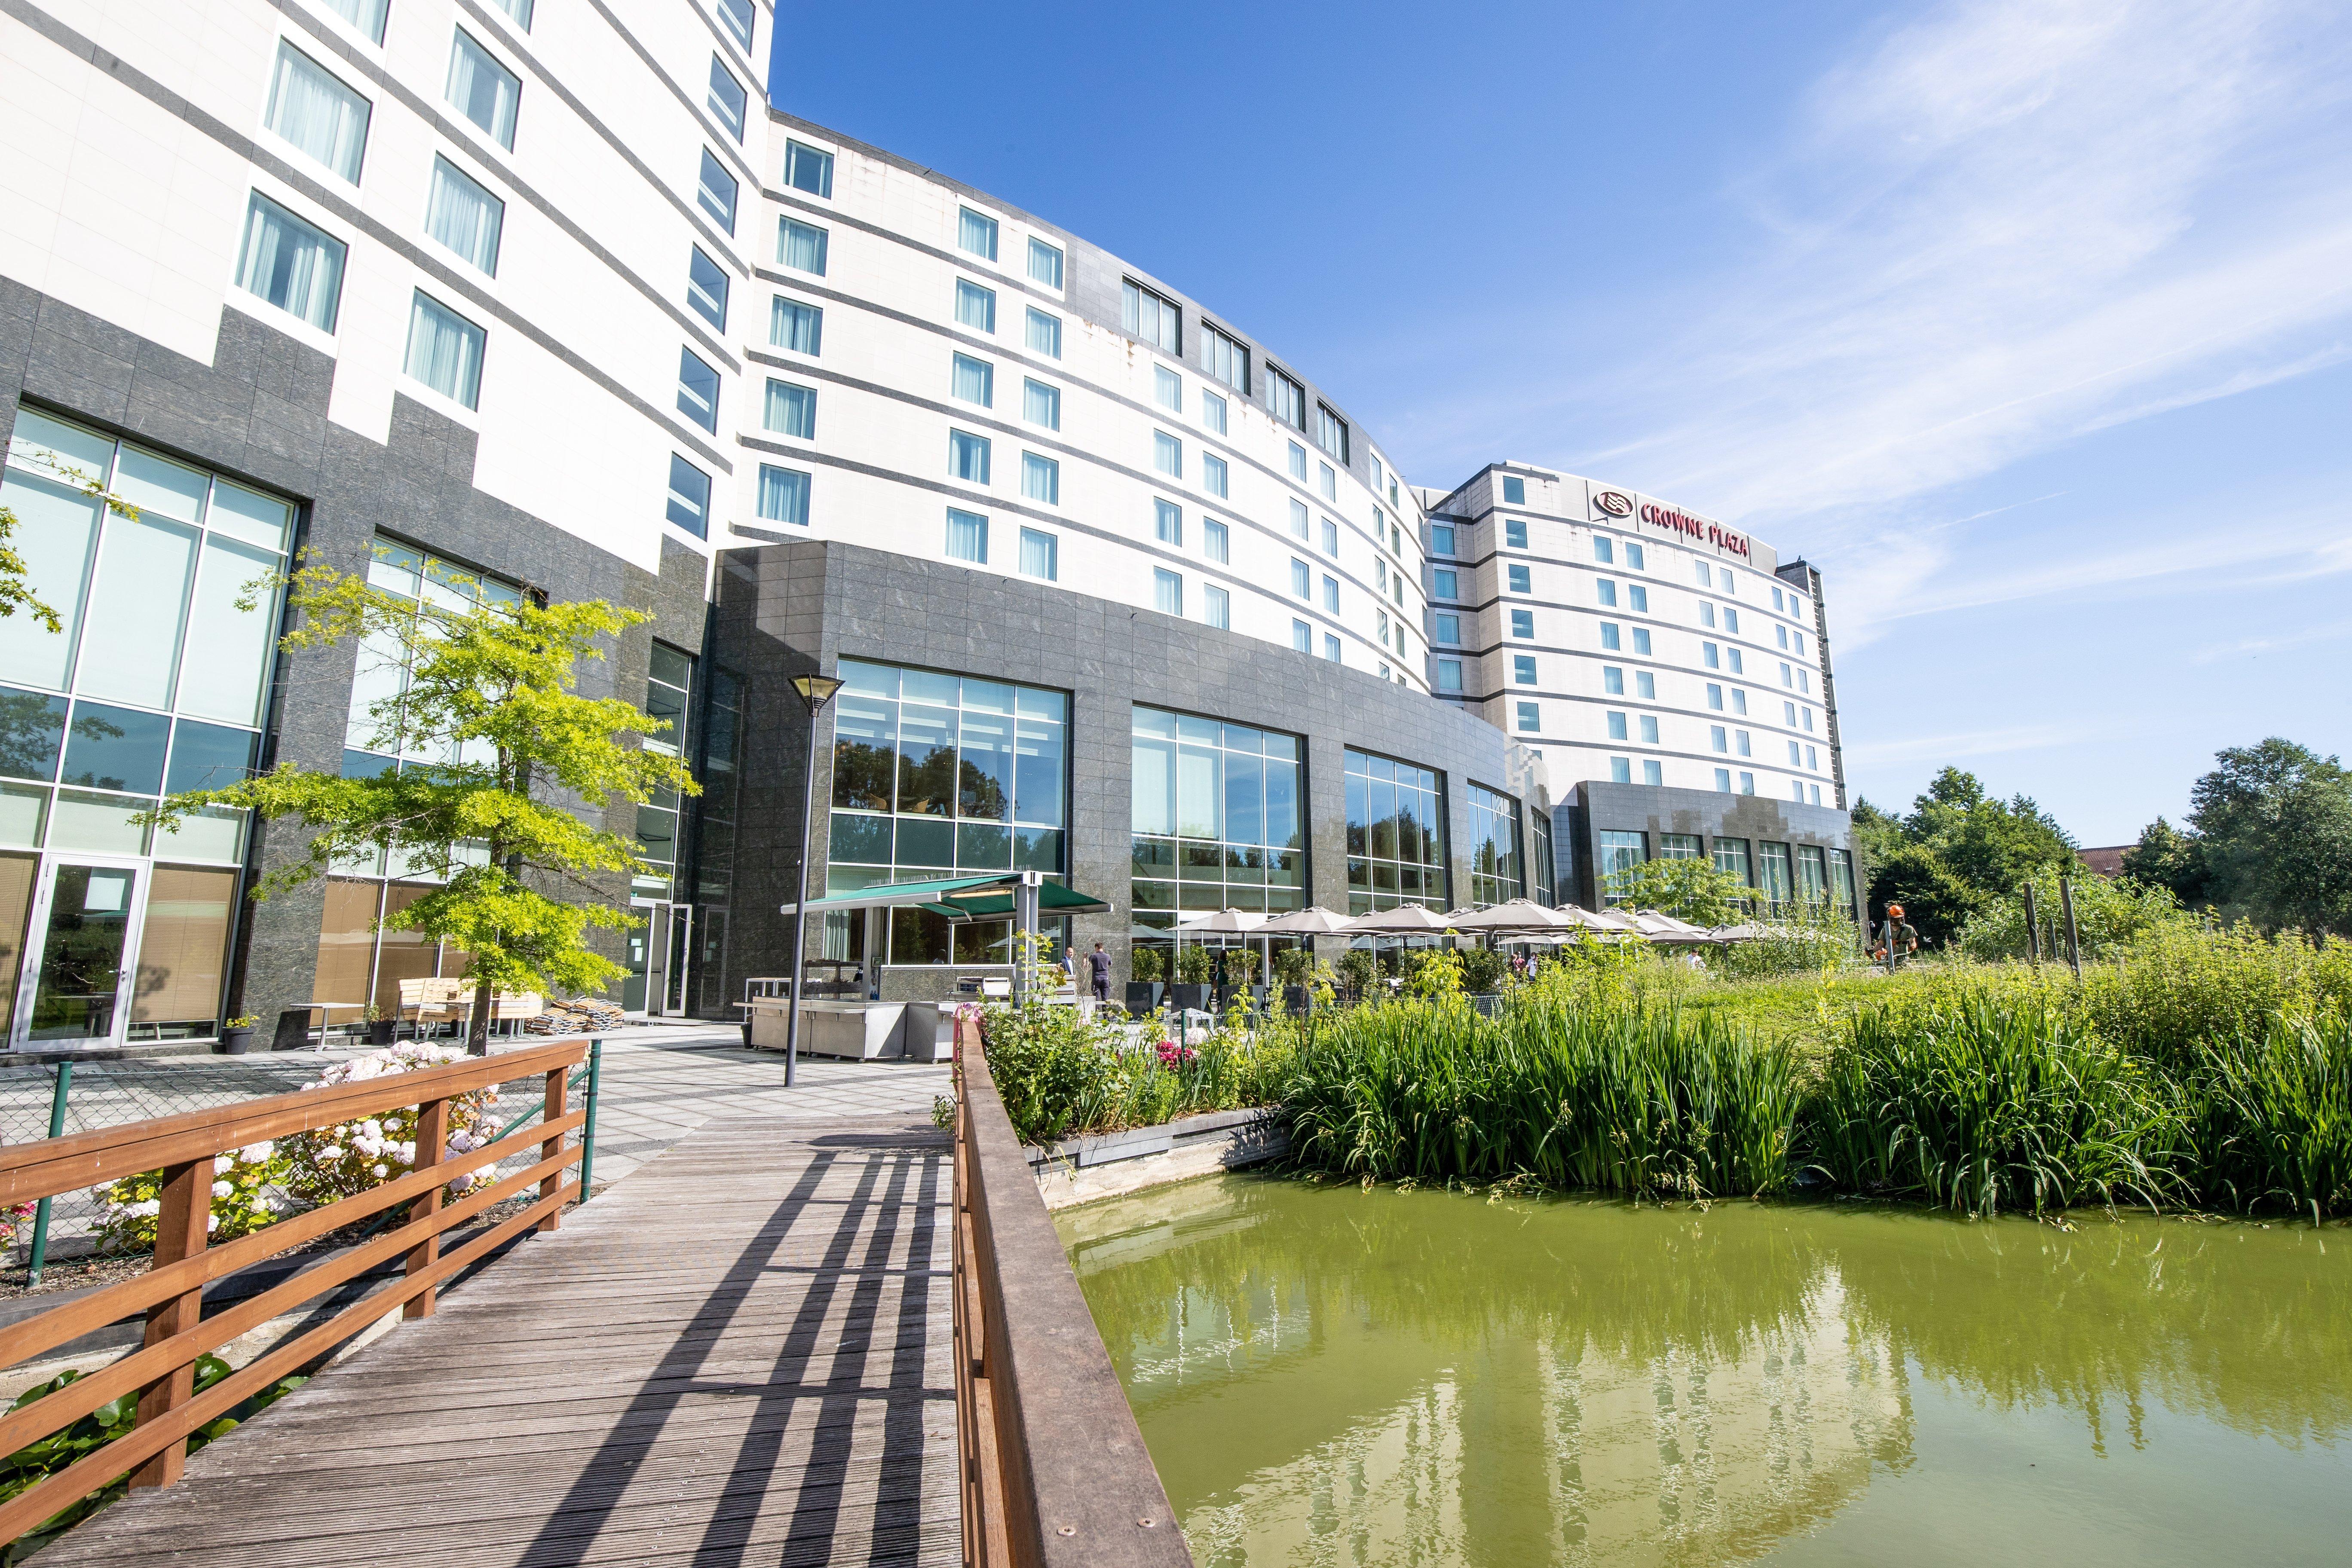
[2108,916]
[352,1157]
[2273,1119]
[245,1197]
[1193,964]
[1060,1076]
[1360,969]
[1241,966]
[1145,964]
[1483,968]
[1983,1106]
[2175,992]
[1292,965]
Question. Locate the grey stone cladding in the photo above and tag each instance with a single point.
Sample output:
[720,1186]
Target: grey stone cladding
[1593,808]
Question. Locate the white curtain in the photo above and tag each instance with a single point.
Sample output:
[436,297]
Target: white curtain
[803,246]
[485,91]
[317,114]
[290,264]
[444,351]
[464,217]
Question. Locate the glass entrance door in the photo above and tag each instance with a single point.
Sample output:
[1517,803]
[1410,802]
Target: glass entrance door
[668,935]
[76,979]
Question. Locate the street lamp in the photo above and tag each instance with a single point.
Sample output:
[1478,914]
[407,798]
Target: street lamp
[817,690]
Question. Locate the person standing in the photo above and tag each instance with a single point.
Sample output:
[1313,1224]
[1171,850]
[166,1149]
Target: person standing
[1098,972]
[1897,940]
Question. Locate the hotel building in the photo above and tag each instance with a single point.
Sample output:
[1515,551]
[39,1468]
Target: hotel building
[495,297]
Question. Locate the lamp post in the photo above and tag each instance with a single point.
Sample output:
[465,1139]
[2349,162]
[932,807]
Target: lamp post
[817,690]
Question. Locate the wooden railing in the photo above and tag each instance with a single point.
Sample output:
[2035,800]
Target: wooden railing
[171,1291]
[1054,1468]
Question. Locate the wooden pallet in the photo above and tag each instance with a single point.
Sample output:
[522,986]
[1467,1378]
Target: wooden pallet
[740,1354]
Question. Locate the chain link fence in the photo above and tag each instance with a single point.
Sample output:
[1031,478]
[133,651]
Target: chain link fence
[112,1093]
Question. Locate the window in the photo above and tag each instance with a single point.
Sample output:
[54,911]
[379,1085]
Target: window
[1634,562]
[967,536]
[1531,717]
[1523,623]
[1514,534]
[1718,739]
[1331,648]
[1816,794]
[1813,760]
[706,287]
[1621,770]
[1302,636]
[1731,620]
[1616,726]
[1331,595]
[807,169]
[463,215]
[1044,263]
[974,380]
[1212,412]
[1377,472]
[1645,684]
[1449,675]
[1642,641]
[1167,591]
[1808,718]
[1787,677]
[727,99]
[1603,550]
[736,16]
[1521,580]
[976,232]
[1714,697]
[689,497]
[1740,745]
[1217,540]
[1649,729]
[1217,607]
[1167,454]
[1287,400]
[1805,681]
[1441,538]
[968,456]
[1448,629]
[1722,782]
[1040,478]
[1332,433]
[1796,755]
[292,265]
[791,410]
[1330,481]
[1789,714]
[1608,635]
[445,351]
[367,16]
[1044,336]
[1298,519]
[1298,462]
[1146,315]
[1602,586]
[1705,577]
[483,90]
[518,10]
[1514,493]
[1166,388]
[1724,573]
[1739,700]
[783,494]
[1040,554]
[975,306]
[1331,538]
[1523,668]
[1225,358]
[716,190]
[1747,783]
[317,114]
[1637,598]
[794,326]
[1168,523]
[1781,635]
[697,390]
[1041,404]
[1707,615]
[1736,668]
[1710,655]
[1613,680]
[800,246]
[1381,637]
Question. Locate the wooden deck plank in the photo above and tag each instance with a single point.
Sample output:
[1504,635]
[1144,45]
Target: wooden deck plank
[741,1353]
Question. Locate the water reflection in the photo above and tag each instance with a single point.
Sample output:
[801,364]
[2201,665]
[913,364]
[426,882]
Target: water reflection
[1331,1376]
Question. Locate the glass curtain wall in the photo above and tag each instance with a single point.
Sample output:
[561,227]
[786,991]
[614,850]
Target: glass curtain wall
[1620,852]
[719,772]
[669,684]
[1543,890]
[1218,818]
[1495,857]
[940,775]
[1842,883]
[1773,878]
[1731,857]
[156,684]
[1396,835]
[1813,875]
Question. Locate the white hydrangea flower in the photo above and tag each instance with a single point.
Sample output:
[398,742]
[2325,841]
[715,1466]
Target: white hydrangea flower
[223,1189]
[256,1153]
[148,1208]
[222,1162]
[331,1153]
[380,1171]
[212,1223]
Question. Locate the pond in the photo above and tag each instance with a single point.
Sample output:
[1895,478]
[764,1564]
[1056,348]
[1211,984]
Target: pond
[1331,1375]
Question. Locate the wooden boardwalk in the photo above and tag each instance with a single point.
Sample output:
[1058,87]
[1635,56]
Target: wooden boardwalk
[740,1355]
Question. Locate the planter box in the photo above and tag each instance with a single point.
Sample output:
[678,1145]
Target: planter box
[1143,998]
[1294,1001]
[1193,997]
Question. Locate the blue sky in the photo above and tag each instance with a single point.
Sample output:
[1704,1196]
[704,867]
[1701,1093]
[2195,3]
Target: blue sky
[2030,324]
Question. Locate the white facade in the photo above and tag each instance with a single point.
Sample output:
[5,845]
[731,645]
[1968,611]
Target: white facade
[1629,640]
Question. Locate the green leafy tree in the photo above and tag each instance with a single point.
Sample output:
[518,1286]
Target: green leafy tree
[492,690]
[2274,836]
[2167,857]
[1688,888]
[1935,902]
[1959,849]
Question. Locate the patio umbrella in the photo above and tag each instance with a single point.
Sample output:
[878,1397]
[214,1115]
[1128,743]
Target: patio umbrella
[1662,928]
[1405,920]
[1225,922]
[1310,922]
[1512,915]
[1601,920]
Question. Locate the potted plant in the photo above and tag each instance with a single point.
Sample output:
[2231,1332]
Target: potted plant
[1241,975]
[237,1035]
[1360,970]
[383,1026]
[1193,965]
[1146,968]
[1292,967]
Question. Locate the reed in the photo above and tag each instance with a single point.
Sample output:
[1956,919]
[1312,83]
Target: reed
[2271,1119]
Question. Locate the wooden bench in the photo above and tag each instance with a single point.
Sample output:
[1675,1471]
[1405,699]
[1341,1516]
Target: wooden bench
[436,1001]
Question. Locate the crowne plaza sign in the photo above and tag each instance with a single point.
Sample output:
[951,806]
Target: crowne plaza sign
[1618,504]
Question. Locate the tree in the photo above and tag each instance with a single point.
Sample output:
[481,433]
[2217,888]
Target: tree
[2274,836]
[491,691]
[1688,888]
[1935,902]
[1957,850]
[2167,857]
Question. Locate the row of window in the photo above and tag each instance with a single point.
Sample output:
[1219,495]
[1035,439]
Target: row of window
[1621,771]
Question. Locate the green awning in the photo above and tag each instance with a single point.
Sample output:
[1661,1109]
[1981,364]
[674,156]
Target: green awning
[960,898]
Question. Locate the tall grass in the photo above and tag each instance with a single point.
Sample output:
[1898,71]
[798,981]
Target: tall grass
[1618,1100]
[1983,1105]
[2272,1118]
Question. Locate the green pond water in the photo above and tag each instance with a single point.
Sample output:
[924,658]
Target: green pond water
[1328,1375]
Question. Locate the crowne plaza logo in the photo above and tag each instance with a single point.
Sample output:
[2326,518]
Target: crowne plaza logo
[1613,503]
